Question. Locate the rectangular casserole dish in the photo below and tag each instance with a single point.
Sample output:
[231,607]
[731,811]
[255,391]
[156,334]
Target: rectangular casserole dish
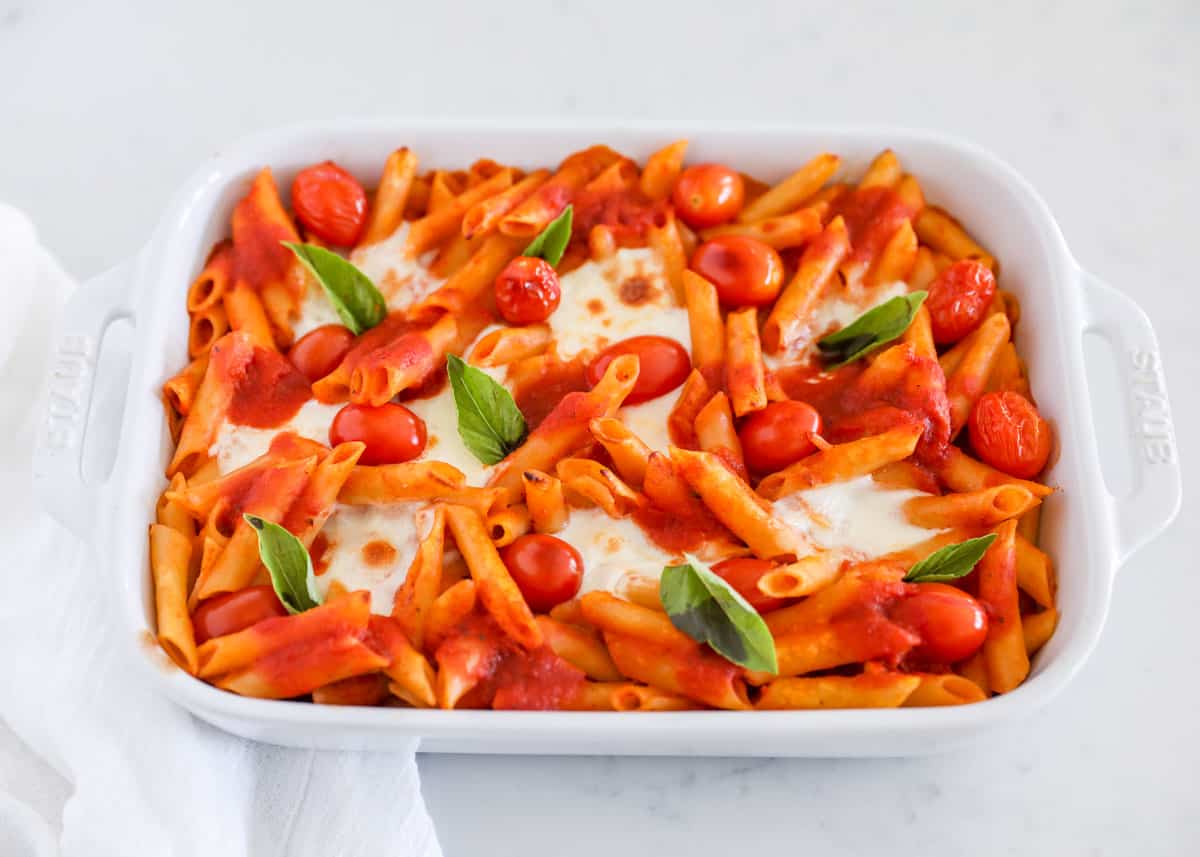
[1087,530]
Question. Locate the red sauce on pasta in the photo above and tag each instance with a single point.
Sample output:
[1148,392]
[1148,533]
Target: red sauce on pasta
[872,217]
[626,212]
[267,390]
[851,406]
[537,396]
[259,257]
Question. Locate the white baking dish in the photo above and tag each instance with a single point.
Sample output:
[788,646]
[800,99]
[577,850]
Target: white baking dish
[1088,531]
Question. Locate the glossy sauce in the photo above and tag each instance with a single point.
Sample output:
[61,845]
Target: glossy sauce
[267,390]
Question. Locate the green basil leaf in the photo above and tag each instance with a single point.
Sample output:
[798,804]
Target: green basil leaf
[552,241]
[489,421]
[875,327]
[950,562]
[358,303]
[709,610]
[289,565]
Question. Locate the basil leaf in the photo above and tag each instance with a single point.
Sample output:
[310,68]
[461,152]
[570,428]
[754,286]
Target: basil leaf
[552,241]
[709,610]
[489,422]
[950,562]
[358,303]
[289,565]
[875,327]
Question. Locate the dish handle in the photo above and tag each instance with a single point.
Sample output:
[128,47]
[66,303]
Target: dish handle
[58,479]
[1158,489]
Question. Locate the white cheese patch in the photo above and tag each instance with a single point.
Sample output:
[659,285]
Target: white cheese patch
[858,516]
[315,311]
[238,445]
[403,280]
[372,548]
[834,312]
[612,547]
[648,420]
[442,440]
[624,295]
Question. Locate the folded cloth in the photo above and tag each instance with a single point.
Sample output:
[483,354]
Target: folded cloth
[142,776]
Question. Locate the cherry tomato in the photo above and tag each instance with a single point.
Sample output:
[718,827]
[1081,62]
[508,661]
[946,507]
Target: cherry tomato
[745,271]
[330,203]
[959,298]
[708,195]
[527,290]
[1008,433]
[547,570]
[391,432]
[318,352]
[778,435]
[951,624]
[235,611]
[742,573]
[664,364]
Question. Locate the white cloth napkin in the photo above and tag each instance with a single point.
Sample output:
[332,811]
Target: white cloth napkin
[90,756]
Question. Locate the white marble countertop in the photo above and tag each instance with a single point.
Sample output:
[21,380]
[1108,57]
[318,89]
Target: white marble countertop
[104,111]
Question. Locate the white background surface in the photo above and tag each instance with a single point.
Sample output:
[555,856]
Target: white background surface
[105,108]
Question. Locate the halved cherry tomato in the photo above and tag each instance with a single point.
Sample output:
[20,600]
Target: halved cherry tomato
[745,271]
[391,432]
[235,611]
[1008,433]
[527,290]
[664,365]
[547,570]
[330,203]
[318,352]
[708,194]
[951,624]
[959,298]
[778,435]
[742,573]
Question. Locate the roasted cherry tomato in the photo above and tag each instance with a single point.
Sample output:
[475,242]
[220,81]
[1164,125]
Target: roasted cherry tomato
[527,290]
[547,570]
[391,432]
[330,203]
[745,271]
[1008,433]
[742,573]
[318,352]
[778,435]
[235,611]
[959,298]
[708,194]
[951,624]
[664,364]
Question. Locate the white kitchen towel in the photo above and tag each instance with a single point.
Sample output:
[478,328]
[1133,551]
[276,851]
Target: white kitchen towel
[142,776]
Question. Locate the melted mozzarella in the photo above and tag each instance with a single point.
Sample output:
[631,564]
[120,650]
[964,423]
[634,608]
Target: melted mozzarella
[372,548]
[443,442]
[624,295]
[610,548]
[238,445]
[403,279]
[857,516]
[315,311]
[648,420]
[832,313]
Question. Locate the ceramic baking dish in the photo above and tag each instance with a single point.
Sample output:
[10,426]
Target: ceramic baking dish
[1088,530]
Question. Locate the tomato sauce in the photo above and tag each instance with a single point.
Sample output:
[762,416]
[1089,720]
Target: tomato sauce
[851,407]
[508,676]
[259,257]
[267,390]
[554,396]
[673,532]
[627,212]
[872,216]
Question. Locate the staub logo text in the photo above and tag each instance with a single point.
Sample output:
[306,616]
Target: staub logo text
[1153,417]
[73,362]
